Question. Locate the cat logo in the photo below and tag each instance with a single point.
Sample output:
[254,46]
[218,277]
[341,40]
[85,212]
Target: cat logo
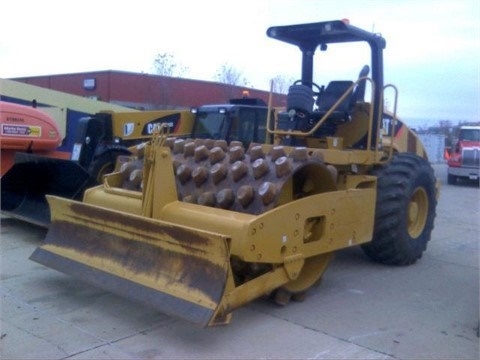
[171,120]
[128,129]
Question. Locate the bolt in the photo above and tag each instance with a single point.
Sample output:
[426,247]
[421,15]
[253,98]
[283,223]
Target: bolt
[277,152]
[256,152]
[136,177]
[239,170]
[282,166]
[178,146]
[222,144]
[207,199]
[201,153]
[189,199]
[225,198]
[216,154]
[218,172]
[245,195]
[299,154]
[267,192]
[260,168]
[236,153]
[199,175]
[184,173]
[189,149]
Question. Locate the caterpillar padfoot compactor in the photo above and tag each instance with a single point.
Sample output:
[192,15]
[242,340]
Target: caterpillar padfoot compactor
[197,228]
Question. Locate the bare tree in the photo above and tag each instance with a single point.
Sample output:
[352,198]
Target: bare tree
[228,74]
[281,84]
[166,65]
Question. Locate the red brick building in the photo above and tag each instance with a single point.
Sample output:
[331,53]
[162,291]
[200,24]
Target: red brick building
[146,91]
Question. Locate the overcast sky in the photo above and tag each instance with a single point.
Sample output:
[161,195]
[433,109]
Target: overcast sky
[432,54]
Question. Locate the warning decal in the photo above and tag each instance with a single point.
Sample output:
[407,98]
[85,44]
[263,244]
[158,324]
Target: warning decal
[21,130]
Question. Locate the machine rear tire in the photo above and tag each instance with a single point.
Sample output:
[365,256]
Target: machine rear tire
[104,164]
[405,210]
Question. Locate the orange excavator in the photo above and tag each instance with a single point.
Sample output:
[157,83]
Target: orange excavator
[26,129]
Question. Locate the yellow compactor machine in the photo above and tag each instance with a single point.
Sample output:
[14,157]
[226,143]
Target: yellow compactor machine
[198,227]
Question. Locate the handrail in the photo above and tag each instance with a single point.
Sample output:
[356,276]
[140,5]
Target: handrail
[328,113]
[394,119]
[269,113]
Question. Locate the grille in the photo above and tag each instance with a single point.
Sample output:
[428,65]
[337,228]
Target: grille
[471,157]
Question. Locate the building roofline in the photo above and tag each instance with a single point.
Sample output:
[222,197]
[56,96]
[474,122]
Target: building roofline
[89,73]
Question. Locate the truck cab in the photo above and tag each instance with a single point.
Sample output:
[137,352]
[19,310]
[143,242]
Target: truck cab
[241,120]
[465,157]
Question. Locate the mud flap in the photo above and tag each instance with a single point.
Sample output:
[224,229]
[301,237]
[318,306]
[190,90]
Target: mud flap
[180,271]
[25,185]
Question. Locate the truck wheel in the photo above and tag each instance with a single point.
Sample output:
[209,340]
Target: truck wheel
[104,164]
[451,179]
[405,210]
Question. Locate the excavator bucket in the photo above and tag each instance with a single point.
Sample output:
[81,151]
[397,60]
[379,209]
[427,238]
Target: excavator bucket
[24,186]
[182,272]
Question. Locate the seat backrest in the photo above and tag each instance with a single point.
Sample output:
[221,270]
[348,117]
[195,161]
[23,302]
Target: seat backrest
[300,98]
[332,93]
[359,92]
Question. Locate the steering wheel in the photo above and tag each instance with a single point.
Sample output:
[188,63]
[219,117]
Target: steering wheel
[312,84]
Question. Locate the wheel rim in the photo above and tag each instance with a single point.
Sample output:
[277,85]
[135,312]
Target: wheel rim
[105,169]
[417,212]
[311,272]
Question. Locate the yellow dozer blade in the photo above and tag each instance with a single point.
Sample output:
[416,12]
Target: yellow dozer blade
[180,271]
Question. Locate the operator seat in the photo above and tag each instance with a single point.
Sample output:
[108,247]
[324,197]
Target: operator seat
[300,98]
[335,90]
[332,93]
